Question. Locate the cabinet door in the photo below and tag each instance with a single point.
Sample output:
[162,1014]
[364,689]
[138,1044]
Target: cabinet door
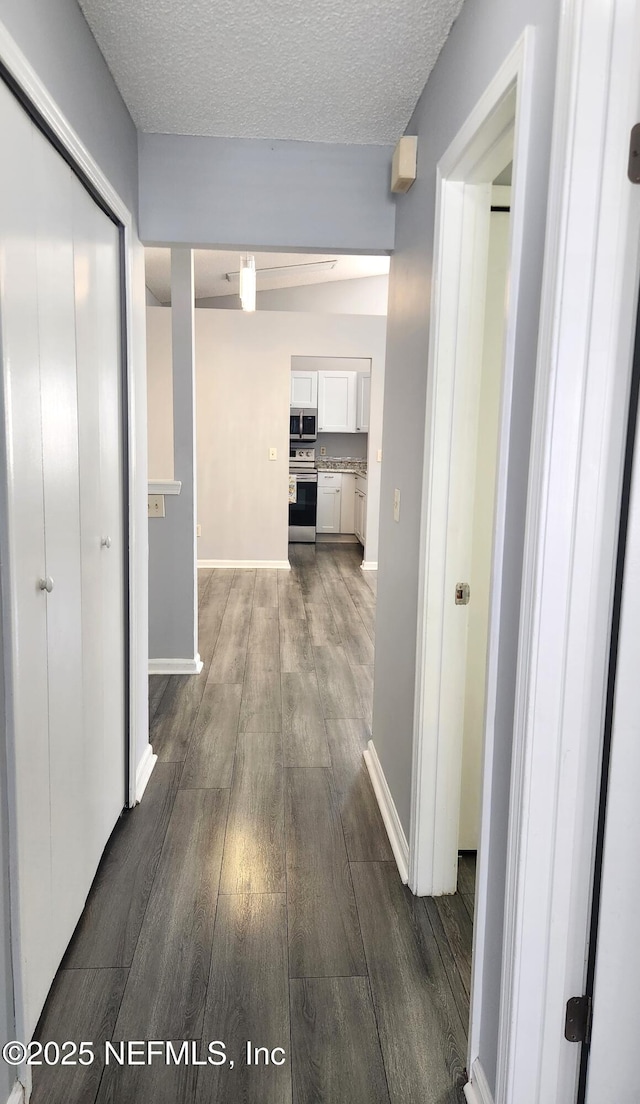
[364,394]
[337,393]
[328,518]
[304,390]
[347,509]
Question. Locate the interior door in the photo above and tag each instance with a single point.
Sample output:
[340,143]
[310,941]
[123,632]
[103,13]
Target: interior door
[62,584]
[609,1063]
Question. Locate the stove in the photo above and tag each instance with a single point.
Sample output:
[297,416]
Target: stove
[303,503]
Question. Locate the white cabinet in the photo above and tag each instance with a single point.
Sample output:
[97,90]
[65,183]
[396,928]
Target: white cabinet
[329,502]
[363,400]
[347,510]
[304,390]
[337,402]
[360,520]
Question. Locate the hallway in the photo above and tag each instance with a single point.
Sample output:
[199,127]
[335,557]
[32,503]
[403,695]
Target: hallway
[253,893]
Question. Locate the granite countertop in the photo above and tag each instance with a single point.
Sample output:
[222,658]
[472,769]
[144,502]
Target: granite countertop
[341,464]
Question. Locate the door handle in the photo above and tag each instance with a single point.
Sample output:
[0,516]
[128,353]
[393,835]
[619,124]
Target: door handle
[46,584]
[105,542]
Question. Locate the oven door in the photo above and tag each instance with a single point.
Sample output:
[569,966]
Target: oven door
[302,512]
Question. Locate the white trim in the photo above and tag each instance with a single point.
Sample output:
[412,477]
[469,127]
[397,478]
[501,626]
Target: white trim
[144,771]
[498,122]
[369,565]
[395,831]
[172,666]
[477,1090]
[164,486]
[17,1095]
[25,76]
[282,565]
[586,334]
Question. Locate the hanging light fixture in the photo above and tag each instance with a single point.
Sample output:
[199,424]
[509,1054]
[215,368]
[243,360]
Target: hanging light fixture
[248,282]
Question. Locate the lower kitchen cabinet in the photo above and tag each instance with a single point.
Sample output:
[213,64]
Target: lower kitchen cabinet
[329,502]
[347,509]
[360,519]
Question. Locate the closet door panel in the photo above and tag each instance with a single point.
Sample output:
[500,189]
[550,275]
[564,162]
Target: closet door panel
[25,602]
[56,325]
[87,312]
[112,519]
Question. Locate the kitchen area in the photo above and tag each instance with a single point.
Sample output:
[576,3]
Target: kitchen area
[328,454]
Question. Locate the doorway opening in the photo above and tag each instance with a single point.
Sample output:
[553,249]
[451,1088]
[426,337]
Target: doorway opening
[478,253]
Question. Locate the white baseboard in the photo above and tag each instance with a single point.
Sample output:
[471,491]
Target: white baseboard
[395,831]
[369,565]
[176,666]
[477,1090]
[16,1095]
[143,772]
[282,565]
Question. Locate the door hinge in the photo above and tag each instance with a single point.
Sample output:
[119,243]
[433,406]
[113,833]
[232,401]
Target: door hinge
[633,169]
[577,1024]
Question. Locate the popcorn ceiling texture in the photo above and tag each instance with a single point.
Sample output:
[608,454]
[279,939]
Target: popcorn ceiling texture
[324,71]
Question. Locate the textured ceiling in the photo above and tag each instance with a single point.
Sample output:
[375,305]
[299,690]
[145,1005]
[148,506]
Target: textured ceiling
[211,266]
[329,71]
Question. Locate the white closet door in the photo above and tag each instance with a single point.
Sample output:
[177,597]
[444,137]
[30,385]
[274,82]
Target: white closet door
[24,544]
[61,359]
[59,404]
[112,531]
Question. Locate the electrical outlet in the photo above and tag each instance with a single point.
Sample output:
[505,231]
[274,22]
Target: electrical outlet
[396,505]
[379,456]
[155,506]
[323,450]
[198,530]
[273,454]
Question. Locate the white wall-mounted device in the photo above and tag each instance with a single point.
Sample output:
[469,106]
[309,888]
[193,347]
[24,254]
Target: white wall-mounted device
[404,166]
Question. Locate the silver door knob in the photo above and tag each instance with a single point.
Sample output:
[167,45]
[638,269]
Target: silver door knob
[106,542]
[46,584]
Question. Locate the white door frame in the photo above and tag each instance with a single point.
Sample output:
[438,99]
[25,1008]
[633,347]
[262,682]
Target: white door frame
[497,127]
[585,350]
[37,94]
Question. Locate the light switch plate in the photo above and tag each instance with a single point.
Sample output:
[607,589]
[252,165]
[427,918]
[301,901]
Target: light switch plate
[379,456]
[155,506]
[273,454]
[198,530]
[396,505]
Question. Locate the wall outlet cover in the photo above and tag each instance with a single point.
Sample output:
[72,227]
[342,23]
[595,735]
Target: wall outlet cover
[198,530]
[379,456]
[155,506]
[323,450]
[273,454]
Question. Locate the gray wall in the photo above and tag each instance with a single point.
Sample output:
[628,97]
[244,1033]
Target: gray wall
[363,295]
[58,44]
[237,191]
[481,38]
[7,1018]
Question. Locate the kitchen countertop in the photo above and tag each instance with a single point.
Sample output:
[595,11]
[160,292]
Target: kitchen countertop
[341,464]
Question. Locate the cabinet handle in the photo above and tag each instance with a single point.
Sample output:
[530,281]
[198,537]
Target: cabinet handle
[46,584]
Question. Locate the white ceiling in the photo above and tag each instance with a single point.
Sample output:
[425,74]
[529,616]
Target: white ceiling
[324,71]
[211,266]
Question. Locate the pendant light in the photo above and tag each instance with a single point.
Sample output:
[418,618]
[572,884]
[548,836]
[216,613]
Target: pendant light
[248,282]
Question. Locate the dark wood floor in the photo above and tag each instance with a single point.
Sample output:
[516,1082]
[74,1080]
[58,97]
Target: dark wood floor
[252,895]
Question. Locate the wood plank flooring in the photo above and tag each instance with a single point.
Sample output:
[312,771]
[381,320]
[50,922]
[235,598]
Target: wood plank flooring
[252,897]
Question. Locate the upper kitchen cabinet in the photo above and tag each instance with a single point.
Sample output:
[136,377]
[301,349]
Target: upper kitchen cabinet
[337,402]
[363,400]
[304,390]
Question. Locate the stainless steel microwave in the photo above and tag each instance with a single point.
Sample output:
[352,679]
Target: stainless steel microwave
[303,424]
